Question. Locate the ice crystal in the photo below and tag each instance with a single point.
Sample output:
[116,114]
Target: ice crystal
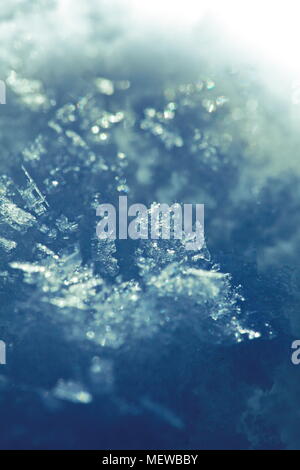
[71,278]
[71,391]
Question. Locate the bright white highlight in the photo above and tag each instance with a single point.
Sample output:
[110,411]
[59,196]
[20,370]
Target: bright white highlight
[269,27]
[172,12]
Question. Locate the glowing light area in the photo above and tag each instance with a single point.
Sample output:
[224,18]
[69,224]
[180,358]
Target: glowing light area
[269,27]
[172,12]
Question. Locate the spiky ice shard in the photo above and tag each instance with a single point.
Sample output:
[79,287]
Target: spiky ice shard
[90,309]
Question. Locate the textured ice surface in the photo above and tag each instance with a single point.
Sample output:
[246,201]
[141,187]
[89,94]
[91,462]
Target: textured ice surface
[140,344]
